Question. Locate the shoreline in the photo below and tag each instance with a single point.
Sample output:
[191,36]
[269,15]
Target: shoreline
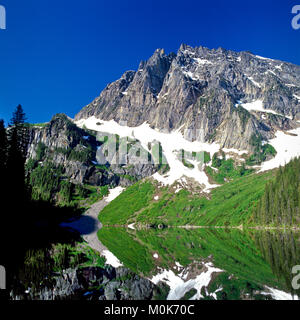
[241,227]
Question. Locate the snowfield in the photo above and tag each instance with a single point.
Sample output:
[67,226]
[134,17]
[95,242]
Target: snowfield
[279,295]
[179,287]
[286,144]
[254,82]
[239,152]
[113,194]
[257,105]
[131,226]
[287,147]
[111,259]
[297,97]
[263,58]
[170,142]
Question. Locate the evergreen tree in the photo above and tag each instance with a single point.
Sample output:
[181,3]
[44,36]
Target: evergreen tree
[18,132]
[3,149]
[280,203]
[16,157]
[18,117]
[3,176]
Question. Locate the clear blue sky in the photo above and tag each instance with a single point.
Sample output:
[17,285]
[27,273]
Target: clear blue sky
[57,56]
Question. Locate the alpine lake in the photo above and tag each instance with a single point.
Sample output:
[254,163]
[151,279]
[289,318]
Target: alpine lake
[211,263]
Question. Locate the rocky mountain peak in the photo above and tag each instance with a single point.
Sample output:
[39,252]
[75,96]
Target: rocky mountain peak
[212,90]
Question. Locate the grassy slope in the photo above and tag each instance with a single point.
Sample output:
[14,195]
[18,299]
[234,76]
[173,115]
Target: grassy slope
[132,200]
[133,254]
[231,204]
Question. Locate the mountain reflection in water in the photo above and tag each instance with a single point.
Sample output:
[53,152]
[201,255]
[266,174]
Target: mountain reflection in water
[247,262]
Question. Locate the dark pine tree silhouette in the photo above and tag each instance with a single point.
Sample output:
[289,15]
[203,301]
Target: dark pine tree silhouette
[3,154]
[18,141]
[3,173]
[3,161]
[27,226]
[14,197]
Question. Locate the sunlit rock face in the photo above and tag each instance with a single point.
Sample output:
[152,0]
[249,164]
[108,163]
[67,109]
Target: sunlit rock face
[213,91]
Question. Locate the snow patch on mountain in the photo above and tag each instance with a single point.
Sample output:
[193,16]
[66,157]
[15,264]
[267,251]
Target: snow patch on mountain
[263,58]
[131,226]
[257,105]
[113,194]
[297,97]
[279,67]
[287,146]
[177,190]
[179,287]
[111,259]
[239,152]
[170,142]
[254,82]
[279,295]
[202,61]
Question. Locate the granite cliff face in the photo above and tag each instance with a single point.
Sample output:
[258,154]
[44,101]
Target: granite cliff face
[235,99]
[92,283]
[77,151]
[206,90]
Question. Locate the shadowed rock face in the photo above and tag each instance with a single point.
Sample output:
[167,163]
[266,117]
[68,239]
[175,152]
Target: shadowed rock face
[198,89]
[76,151]
[93,283]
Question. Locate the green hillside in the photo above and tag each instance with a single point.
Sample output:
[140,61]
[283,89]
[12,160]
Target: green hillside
[229,205]
[280,204]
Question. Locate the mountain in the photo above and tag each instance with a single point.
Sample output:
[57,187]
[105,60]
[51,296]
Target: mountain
[188,135]
[205,115]
[59,150]
[228,96]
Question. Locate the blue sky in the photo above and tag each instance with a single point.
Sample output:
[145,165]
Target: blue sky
[57,56]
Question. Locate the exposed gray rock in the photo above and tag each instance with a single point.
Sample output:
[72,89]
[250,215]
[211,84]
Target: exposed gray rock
[78,152]
[92,283]
[198,89]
